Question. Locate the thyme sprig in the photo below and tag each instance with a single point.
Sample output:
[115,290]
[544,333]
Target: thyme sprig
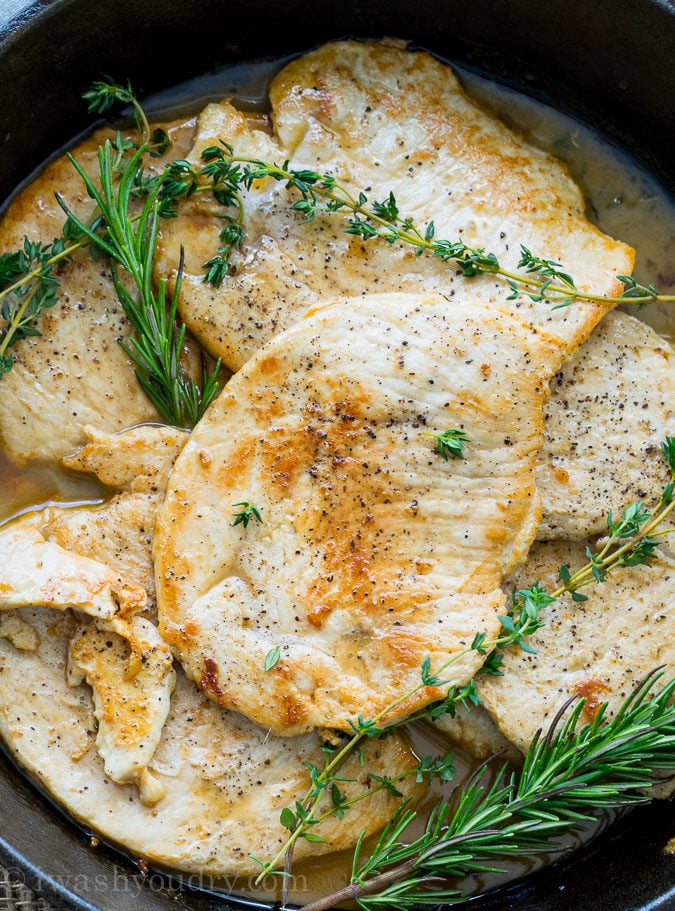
[568,775]
[246,514]
[103,94]
[630,542]
[28,287]
[539,279]
[450,442]
[632,539]
[226,175]
[130,242]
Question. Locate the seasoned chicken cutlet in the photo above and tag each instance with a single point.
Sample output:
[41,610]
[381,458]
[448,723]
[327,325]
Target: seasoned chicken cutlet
[381,119]
[373,552]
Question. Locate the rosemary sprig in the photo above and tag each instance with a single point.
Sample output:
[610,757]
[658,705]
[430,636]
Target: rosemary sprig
[567,775]
[540,279]
[130,242]
[630,542]
[28,283]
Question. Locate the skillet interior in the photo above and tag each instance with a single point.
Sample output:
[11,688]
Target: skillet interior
[612,62]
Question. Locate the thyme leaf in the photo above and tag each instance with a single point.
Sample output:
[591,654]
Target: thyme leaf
[104,93]
[247,512]
[450,443]
[272,658]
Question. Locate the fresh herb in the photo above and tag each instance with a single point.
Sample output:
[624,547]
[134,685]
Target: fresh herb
[539,278]
[102,95]
[232,236]
[568,775]
[246,514]
[224,180]
[450,443]
[639,294]
[272,657]
[130,242]
[28,287]
[550,272]
[442,767]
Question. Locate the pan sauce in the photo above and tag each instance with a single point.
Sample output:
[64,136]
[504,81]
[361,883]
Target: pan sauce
[623,200]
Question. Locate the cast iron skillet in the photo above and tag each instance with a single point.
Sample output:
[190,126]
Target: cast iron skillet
[610,61]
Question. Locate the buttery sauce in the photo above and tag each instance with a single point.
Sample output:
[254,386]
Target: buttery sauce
[623,201]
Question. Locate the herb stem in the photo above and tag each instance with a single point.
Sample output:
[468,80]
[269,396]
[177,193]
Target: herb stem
[357,890]
[392,228]
[315,794]
[585,574]
[37,272]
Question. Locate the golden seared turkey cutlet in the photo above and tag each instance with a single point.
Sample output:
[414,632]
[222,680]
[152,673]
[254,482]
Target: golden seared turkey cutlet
[381,119]
[135,466]
[601,438]
[373,553]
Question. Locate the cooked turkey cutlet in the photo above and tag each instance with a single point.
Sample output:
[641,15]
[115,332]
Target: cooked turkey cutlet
[210,784]
[379,118]
[373,552]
